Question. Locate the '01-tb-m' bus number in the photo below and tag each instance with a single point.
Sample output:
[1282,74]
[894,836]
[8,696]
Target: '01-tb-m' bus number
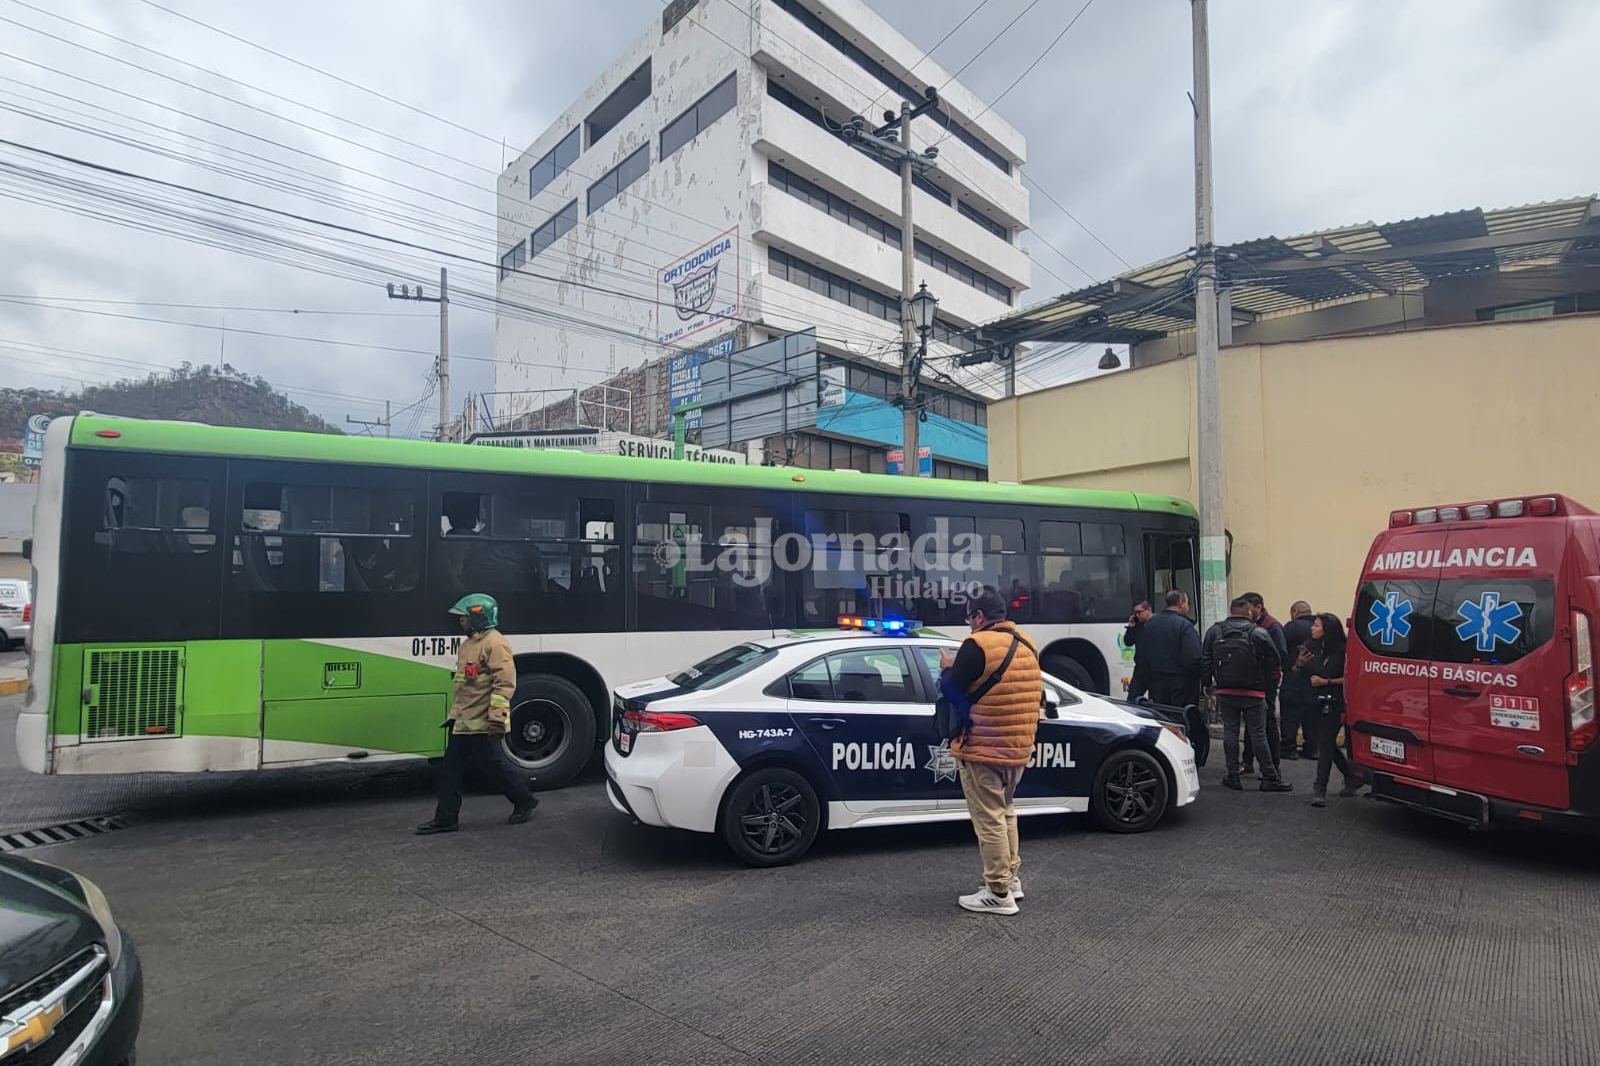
[427,647]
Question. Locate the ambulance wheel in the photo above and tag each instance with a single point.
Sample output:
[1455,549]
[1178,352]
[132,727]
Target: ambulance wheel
[771,818]
[1130,792]
[552,730]
[1071,671]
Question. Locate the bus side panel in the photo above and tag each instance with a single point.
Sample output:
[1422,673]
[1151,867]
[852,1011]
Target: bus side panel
[327,700]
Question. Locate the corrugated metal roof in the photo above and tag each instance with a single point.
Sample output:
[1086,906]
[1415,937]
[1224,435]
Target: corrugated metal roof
[1274,276]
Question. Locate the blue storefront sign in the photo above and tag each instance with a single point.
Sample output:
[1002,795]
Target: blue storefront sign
[683,375]
[33,439]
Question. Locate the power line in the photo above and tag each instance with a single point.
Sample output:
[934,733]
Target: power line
[35,297]
[913,68]
[1029,69]
[1033,4]
[1081,225]
[409,107]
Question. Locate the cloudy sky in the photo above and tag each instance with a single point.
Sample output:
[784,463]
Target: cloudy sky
[1325,113]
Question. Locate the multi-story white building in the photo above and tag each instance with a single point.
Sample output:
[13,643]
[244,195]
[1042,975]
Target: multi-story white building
[696,198]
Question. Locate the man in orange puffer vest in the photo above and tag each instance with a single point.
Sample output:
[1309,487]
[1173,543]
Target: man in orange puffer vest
[994,752]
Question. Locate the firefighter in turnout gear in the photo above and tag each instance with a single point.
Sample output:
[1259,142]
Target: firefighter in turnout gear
[480,714]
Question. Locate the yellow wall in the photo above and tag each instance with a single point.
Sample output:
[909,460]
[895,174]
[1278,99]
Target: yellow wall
[1323,438]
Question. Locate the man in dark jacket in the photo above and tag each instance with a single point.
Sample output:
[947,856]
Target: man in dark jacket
[1241,664]
[1130,639]
[1166,660]
[1263,618]
[1295,698]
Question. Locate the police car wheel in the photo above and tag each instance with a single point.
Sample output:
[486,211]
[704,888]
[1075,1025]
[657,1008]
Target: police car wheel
[552,730]
[1071,671]
[771,817]
[1130,792]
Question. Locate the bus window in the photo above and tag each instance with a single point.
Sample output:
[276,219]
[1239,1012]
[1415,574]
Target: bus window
[325,539]
[1006,567]
[847,572]
[549,559]
[706,567]
[1085,572]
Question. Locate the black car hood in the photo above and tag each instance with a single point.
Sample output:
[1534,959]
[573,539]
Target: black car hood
[41,922]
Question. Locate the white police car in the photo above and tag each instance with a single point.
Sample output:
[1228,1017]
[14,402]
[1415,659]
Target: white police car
[772,740]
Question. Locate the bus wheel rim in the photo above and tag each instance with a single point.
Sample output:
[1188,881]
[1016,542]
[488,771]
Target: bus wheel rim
[539,733]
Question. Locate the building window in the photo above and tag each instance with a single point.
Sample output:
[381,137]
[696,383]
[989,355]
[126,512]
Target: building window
[967,211]
[931,187]
[710,107]
[780,177]
[861,59]
[558,225]
[984,283]
[513,260]
[825,282]
[553,164]
[634,91]
[618,178]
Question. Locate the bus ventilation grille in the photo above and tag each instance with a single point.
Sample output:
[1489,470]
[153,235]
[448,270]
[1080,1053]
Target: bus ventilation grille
[136,691]
[57,834]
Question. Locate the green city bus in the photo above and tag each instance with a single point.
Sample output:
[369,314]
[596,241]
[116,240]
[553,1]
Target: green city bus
[228,599]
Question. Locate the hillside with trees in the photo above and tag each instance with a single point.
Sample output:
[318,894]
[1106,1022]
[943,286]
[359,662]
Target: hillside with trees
[218,396]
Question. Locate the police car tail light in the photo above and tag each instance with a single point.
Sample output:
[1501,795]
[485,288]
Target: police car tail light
[659,721]
[1542,506]
[1477,510]
[1508,509]
[1426,515]
[1580,686]
[1449,514]
[1399,519]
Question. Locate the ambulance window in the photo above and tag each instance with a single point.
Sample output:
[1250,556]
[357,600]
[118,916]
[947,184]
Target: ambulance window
[1394,618]
[1479,621]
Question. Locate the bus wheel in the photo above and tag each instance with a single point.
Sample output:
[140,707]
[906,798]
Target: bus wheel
[552,730]
[1071,671]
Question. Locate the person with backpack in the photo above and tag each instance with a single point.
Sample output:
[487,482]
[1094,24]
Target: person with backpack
[995,673]
[1241,664]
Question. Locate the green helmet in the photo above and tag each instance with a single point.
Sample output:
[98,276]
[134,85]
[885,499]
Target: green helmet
[480,611]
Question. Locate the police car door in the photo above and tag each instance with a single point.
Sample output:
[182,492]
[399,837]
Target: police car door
[870,720]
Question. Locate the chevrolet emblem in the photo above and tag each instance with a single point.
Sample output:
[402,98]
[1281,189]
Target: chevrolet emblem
[29,1027]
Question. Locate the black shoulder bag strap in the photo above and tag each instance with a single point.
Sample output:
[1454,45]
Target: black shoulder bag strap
[994,679]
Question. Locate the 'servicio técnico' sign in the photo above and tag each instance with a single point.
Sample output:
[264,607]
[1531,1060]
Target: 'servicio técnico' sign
[605,443]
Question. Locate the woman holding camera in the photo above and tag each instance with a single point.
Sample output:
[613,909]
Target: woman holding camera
[1322,661]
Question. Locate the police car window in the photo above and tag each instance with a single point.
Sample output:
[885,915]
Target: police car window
[722,667]
[813,681]
[1394,618]
[1477,621]
[872,675]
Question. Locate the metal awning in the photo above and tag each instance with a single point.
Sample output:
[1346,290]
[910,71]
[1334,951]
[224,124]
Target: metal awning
[1274,276]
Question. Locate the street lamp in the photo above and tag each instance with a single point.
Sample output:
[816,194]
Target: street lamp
[923,305]
[1109,361]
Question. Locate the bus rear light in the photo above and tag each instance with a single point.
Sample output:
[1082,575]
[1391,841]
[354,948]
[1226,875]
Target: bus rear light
[1399,519]
[108,434]
[1508,509]
[659,721]
[1477,510]
[1542,506]
[1449,514]
[1580,686]
[1426,515]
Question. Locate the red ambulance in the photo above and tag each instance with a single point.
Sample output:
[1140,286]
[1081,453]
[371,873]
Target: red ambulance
[1469,681]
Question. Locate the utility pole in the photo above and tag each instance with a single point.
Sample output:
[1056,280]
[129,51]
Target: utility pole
[892,142]
[388,421]
[443,367]
[1213,520]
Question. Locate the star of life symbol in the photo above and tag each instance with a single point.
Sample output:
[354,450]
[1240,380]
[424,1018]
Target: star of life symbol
[941,762]
[1391,618]
[1488,622]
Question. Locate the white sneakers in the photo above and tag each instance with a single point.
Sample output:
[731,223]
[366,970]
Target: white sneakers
[1016,888]
[984,901]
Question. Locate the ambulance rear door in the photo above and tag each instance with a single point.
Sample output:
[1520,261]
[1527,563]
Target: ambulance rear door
[1389,675]
[1498,722]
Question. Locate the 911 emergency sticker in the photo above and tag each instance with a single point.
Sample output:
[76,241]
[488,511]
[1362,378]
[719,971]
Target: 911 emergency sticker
[1514,712]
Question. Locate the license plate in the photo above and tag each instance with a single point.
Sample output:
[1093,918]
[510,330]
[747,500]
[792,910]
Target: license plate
[1389,749]
[624,742]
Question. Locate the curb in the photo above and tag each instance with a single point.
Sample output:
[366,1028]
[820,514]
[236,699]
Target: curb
[12,686]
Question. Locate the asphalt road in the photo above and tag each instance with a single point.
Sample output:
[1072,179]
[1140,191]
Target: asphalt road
[293,918]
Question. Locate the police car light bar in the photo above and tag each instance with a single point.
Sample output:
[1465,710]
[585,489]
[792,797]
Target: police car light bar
[877,625]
